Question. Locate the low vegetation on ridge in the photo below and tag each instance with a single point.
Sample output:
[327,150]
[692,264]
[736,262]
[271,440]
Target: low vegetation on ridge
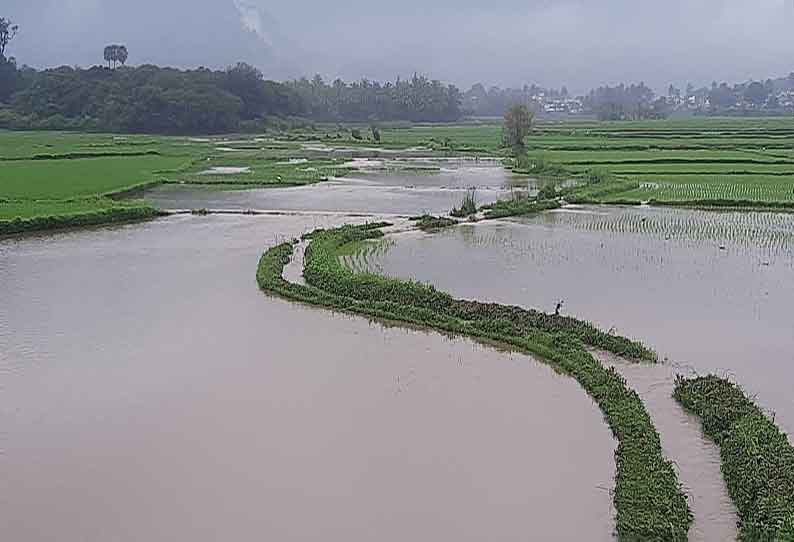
[757,458]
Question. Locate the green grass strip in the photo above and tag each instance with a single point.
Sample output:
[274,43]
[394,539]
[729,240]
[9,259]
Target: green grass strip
[757,459]
[648,498]
[109,215]
[518,207]
[431,223]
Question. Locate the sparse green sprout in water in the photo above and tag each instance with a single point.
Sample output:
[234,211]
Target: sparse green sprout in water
[547,192]
[468,206]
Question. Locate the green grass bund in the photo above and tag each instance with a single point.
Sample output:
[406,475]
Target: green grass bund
[63,215]
[648,498]
[518,207]
[757,458]
[433,223]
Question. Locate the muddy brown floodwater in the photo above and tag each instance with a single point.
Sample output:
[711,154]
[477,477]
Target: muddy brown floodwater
[149,391]
[710,291]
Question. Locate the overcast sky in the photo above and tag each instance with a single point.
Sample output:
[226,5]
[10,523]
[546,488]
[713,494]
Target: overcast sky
[579,43]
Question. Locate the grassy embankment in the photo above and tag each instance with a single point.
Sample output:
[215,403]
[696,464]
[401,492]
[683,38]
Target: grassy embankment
[757,459]
[432,223]
[648,498]
[58,180]
[744,163]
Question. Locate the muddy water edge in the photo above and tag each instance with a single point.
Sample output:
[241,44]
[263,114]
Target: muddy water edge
[149,391]
[710,291]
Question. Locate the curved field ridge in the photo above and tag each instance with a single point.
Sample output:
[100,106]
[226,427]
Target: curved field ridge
[757,459]
[648,498]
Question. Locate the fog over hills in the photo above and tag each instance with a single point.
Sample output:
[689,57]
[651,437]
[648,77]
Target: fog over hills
[512,42]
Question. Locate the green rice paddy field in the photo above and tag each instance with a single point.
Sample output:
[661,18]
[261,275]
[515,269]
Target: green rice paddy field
[747,163]
[56,175]
[720,162]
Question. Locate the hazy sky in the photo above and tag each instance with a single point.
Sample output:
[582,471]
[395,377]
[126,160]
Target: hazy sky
[580,43]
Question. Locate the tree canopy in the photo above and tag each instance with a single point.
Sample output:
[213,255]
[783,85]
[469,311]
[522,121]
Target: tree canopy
[517,125]
[117,54]
[7,32]
[418,99]
[626,102]
[144,99]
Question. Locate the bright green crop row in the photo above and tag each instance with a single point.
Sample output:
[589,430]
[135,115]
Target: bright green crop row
[757,459]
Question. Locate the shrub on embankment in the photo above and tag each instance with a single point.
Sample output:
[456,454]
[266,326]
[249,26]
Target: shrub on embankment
[432,223]
[648,499]
[518,207]
[757,458]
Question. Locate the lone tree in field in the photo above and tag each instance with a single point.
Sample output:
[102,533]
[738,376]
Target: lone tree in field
[517,125]
[7,32]
[122,54]
[108,55]
[116,54]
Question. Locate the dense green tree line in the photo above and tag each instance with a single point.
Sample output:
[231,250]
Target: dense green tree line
[165,100]
[724,98]
[495,101]
[626,102]
[152,99]
[143,99]
[418,99]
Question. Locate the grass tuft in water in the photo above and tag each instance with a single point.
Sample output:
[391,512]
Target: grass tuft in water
[468,206]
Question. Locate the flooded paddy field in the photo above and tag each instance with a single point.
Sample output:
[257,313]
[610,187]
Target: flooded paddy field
[414,186]
[151,392]
[147,382]
[710,291]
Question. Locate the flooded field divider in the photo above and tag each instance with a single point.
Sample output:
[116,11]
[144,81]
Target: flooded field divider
[757,459]
[648,498]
